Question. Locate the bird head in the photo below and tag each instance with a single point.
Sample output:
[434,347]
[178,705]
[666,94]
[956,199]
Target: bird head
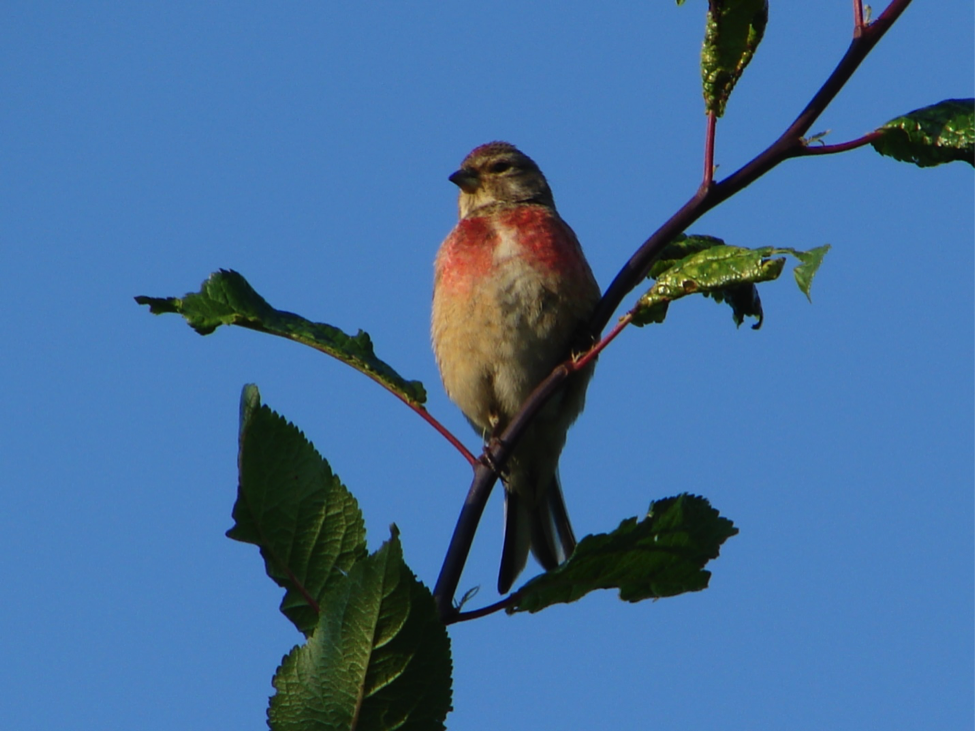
[499,174]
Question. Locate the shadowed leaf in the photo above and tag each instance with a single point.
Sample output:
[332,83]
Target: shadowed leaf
[379,658]
[289,503]
[662,555]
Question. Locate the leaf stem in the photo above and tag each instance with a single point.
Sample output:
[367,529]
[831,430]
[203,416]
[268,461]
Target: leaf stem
[459,617]
[840,147]
[591,354]
[708,179]
[858,24]
[447,434]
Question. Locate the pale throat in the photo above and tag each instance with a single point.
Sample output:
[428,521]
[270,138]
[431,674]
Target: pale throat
[470,202]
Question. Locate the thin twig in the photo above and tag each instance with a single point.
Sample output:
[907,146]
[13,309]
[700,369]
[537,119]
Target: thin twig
[481,612]
[840,147]
[447,434]
[858,24]
[709,151]
[591,354]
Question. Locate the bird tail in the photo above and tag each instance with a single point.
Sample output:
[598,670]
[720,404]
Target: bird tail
[542,526]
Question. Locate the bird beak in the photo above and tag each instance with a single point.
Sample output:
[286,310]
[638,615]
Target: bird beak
[466,179]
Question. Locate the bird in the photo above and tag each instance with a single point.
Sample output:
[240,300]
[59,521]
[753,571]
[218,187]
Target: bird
[512,293]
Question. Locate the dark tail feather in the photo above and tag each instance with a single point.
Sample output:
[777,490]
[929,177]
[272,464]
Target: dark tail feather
[560,519]
[546,530]
[517,539]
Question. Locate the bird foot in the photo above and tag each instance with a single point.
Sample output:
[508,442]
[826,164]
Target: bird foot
[487,457]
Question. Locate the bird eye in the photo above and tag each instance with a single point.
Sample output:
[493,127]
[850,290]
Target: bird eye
[500,166]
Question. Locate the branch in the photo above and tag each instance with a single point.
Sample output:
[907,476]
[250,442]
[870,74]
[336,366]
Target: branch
[459,617]
[858,22]
[790,143]
[447,434]
[485,478]
[709,152]
[840,147]
[591,354]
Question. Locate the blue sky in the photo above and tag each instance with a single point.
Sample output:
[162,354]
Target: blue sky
[308,146]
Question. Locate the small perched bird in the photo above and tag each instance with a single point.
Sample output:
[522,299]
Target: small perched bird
[511,290]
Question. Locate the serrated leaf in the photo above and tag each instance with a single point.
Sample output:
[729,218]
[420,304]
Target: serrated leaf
[941,133]
[226,298]
[707,266]
[733,31]
[379,658]
[661,556]
[289,503]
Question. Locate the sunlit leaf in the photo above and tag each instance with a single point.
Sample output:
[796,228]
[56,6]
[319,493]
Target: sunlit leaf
[941,133]
[705,265]
[733,31]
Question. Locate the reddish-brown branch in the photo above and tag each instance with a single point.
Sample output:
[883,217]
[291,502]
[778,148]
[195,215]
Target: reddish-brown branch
[709,152]
[591,354]
[447,434]
[858,24]
[460,617]
[840,147]
[790,143]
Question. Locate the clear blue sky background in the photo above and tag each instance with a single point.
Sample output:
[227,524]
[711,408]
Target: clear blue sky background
[143,146]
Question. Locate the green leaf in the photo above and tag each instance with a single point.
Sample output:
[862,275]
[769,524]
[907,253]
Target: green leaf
[682,247]
[289,503]
[379,658]
[941,133]
[805,272]
[733,31]
[743,298]
[661,556]
[706,265]
[226,298]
